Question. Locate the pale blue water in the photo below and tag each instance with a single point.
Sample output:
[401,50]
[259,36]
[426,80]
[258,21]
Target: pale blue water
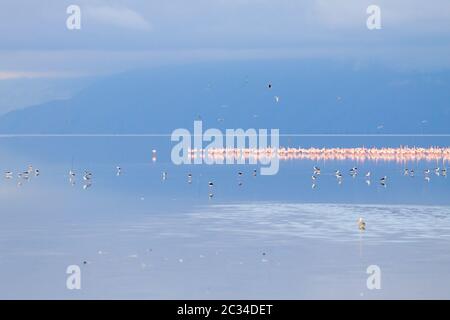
[271,237]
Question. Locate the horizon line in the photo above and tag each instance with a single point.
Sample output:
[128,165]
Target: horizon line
[87,135]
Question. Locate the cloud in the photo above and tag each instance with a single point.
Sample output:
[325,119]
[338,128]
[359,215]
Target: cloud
[116,16]
[78,63]
[9,75]
[398,16]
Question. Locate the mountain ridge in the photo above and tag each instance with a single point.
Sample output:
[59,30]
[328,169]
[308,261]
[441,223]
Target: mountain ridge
[314,97]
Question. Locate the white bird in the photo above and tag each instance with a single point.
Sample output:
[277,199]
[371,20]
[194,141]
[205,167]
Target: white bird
[368,174]
[8,174]
[406,172]
[426,171]
[164,175]
[24,175]
[361,224]
[37,172]
[119,171]
[87,176]
[316,170]
[339,177]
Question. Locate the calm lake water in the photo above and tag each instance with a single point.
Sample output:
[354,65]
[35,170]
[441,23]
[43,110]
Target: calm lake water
[135,235]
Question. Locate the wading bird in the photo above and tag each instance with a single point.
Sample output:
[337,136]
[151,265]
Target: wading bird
[316,170]
[361,224]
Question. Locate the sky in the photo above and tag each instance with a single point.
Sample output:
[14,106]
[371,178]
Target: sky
[118,35]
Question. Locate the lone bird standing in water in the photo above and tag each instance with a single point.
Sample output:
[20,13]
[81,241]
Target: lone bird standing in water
[210,185]
[361,224]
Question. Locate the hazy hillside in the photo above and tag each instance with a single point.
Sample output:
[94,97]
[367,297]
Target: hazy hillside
[315,97]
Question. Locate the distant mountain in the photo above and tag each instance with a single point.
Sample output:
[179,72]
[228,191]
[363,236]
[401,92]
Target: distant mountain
[314,97]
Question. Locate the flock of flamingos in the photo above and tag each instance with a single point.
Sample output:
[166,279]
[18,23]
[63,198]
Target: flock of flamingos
[401,154]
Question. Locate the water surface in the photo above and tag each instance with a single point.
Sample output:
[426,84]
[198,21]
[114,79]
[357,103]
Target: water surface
[257,237]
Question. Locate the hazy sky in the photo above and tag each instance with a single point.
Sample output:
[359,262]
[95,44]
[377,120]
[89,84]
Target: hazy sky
[117,35]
